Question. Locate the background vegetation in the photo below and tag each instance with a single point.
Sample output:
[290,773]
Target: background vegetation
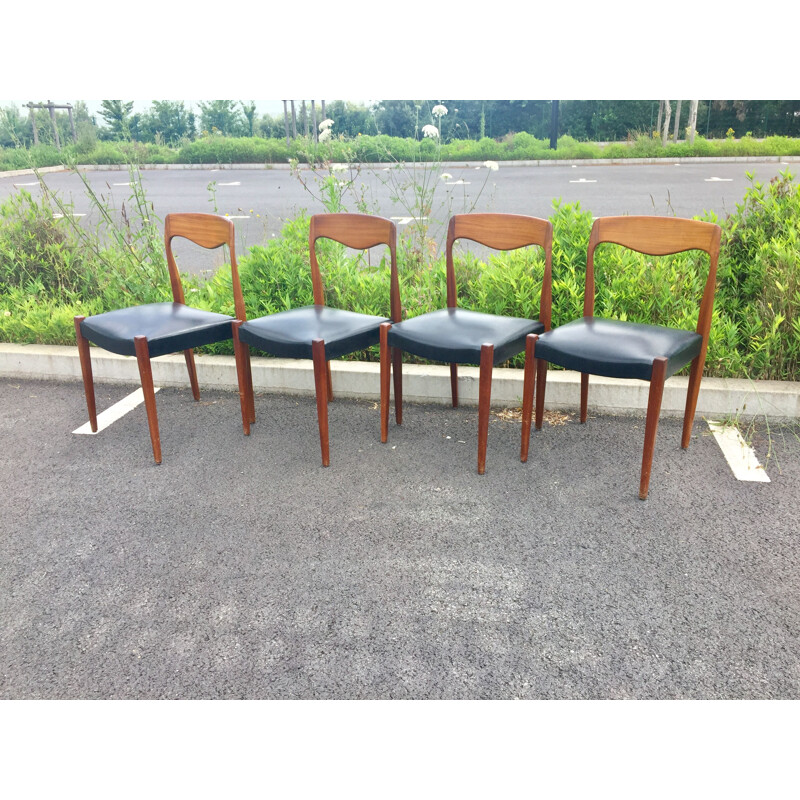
[228,131]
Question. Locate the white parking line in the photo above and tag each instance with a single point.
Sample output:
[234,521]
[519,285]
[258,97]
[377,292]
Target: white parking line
[232,183]
[738,453]
[32,183]
[233,216]
[61,216]
[584,180]
[406,220]
[718,180]
[115,412]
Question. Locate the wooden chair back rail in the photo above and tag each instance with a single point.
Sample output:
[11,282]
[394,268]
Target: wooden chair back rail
[205,230]
[503,232]
[657,236]
[360,232]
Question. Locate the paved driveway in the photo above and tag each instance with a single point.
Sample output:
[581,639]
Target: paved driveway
[240,568]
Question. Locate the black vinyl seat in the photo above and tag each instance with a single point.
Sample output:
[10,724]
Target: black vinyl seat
[624,349]
[289,334]
[456,335]
[169,328]
[156,329]
[618,348]
[462,336]
[319,332]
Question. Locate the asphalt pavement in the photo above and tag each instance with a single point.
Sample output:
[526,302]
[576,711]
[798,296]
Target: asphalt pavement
[240,568]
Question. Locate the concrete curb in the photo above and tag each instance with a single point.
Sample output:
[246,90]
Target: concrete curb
[719,397]
[588,162]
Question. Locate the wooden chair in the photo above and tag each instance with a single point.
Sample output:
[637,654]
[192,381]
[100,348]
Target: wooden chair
[319,332]
[460,336]
[622,349]
[155,329]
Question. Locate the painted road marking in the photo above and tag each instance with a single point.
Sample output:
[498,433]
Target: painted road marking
[717,180]
[127,183]
[406,220]
[61,216]
[115,412]
[738,453]
[458,183]
[584,180]
[233,216]
[232,183]
[32,183]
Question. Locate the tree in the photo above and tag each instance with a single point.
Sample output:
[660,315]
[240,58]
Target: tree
[117,115]
[223,117]
[167,119]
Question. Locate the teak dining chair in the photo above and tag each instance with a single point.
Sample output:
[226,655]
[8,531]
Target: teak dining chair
[622,349]
[460,336]
[156,329]
[319,332]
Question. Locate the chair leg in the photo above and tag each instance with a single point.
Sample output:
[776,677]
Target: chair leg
[454,384]
[527,393]
[541,385]
[189,356]
[397,373]
[329,381]
[584,396]
[657,379]
[241,351]
[251,403]
[86,371]
[484,400]
[146,374]
[385,370]
[695,377]
[321,384]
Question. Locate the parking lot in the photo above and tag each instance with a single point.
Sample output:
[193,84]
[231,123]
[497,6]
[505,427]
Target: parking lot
[240,568]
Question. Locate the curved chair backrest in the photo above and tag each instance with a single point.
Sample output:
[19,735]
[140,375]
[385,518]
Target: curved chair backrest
[503,232]
[657,236]
[209,231]
[360,232]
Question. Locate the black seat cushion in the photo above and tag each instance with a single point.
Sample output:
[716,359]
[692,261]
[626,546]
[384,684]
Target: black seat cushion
[455,335]
[616,348]
[288,334]
[169,327]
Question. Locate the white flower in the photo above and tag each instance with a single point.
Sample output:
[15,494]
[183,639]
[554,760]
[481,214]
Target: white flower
[325,124]
[430,131]
[445,176]
[492,165]
[439,111]
[325,135]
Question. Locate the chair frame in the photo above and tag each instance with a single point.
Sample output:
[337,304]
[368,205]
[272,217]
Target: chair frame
[209,231]
[654,236]
[358,232]
[497,231]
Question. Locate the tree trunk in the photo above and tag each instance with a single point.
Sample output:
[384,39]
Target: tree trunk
[676,134]
[667,116]
[692,119]
[294,121]
[314,120]
[660,115]
[286,121]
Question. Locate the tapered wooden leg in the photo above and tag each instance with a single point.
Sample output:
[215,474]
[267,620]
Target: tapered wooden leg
[242,368]
[329,380]
[249,375]
[321,384]
[484,401]
[529,381]
[86,371]
[146,374]
[584,396]
[659,375]
[541,385]
[189,356]
[454,384]
[695,376]
[397,374]
[385,370]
